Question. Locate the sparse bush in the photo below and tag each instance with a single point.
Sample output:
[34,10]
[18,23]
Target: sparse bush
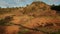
[6,20]
[23,31]
[58,32]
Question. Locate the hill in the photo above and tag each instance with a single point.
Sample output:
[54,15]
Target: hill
[35,17]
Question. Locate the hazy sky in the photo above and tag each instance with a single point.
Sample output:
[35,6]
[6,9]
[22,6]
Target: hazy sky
[14,3]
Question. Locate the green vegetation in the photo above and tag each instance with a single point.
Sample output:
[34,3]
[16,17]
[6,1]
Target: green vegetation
[56,7]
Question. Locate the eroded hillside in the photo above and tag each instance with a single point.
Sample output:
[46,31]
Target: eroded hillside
[37,17]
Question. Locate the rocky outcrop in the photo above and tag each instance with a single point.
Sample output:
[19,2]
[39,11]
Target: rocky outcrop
[39,9]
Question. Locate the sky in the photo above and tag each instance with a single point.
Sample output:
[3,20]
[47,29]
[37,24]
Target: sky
[22,3]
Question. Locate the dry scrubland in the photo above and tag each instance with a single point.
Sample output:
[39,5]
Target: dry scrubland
[37,18]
